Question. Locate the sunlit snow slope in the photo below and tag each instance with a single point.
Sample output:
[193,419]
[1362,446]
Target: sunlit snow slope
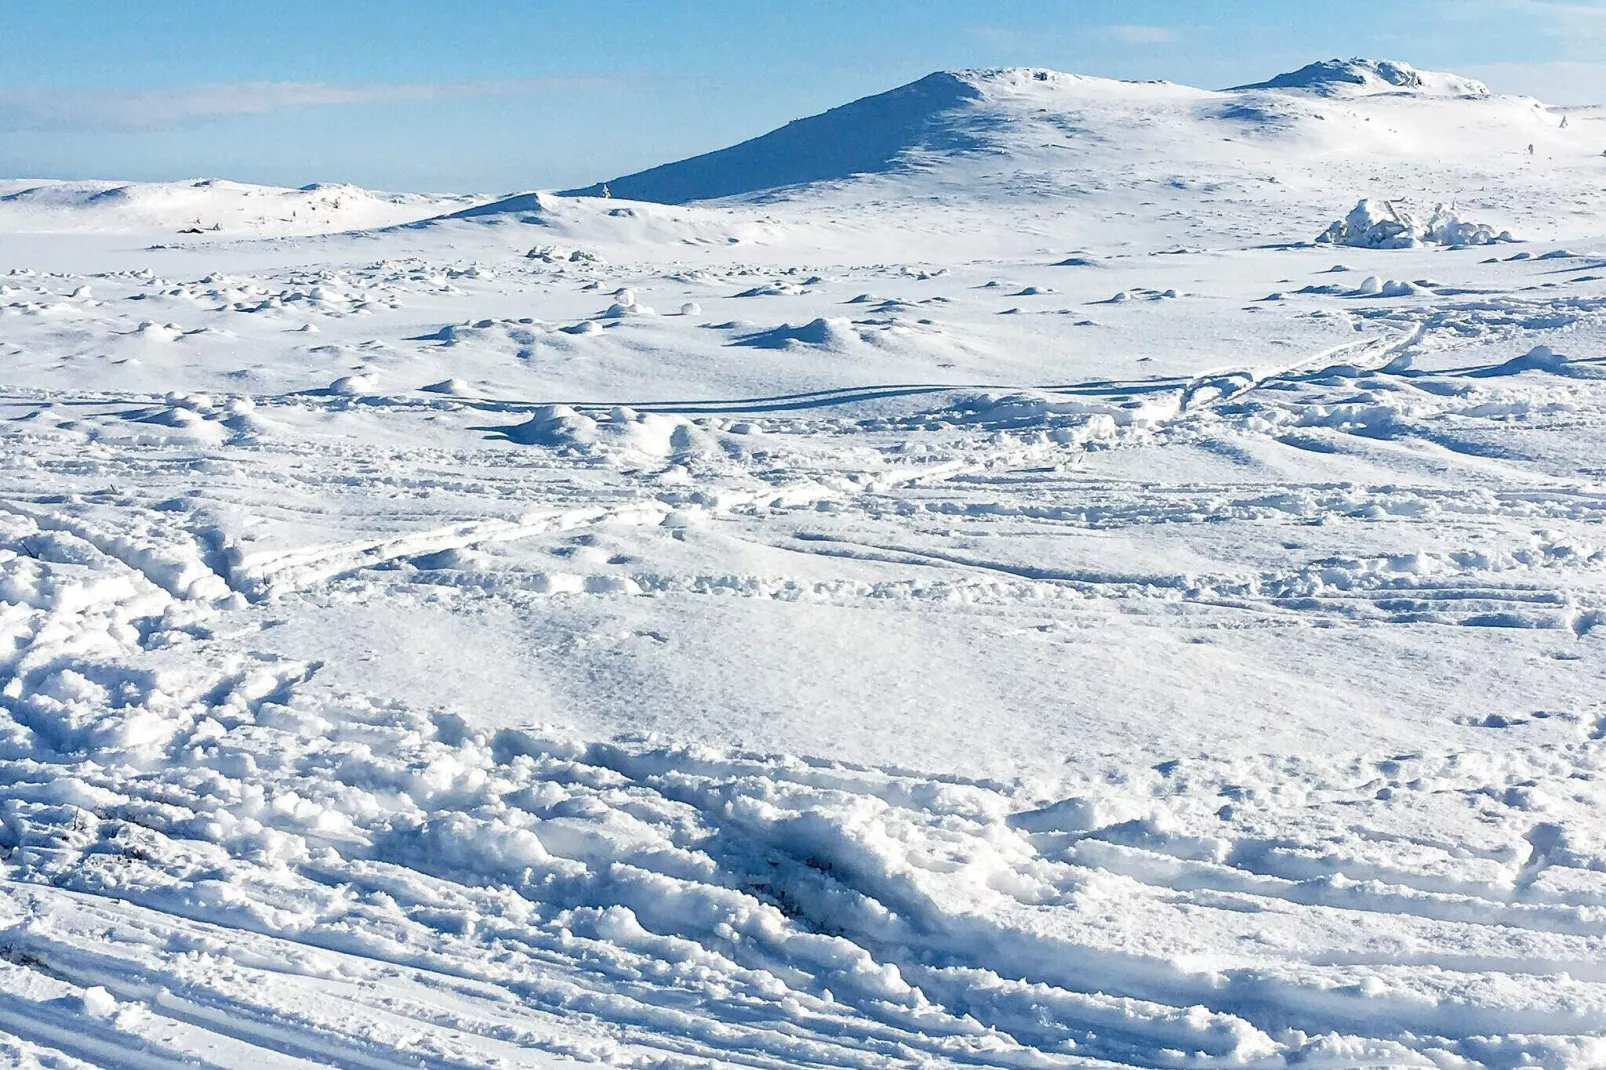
[963,580]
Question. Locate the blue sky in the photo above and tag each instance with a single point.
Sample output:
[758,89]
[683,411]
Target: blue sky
[499,95]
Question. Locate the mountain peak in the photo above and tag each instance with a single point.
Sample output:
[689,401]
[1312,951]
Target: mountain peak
[1362,77]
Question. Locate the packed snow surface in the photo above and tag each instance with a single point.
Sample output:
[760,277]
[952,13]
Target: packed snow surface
[995,594]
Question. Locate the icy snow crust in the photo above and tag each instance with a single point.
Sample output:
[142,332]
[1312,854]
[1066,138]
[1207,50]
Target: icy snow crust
[1024,606]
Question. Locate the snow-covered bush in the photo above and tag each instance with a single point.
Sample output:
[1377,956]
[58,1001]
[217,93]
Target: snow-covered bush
[1377,224]
[1447,228]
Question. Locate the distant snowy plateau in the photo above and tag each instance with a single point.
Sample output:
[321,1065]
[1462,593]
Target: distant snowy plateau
[964,580]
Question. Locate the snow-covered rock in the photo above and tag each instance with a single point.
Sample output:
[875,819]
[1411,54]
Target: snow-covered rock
[1358,77]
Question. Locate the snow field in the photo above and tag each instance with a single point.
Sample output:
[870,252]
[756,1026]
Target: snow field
[815,911]
[1020,605]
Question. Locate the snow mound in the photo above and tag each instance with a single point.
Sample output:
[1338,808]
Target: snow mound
[819,333]
[1362,77]
[618,431]
[1377,224]
[350,386]
[1541,358]
[1067,420]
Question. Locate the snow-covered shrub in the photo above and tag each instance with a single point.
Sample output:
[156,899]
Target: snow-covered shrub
[1377,224]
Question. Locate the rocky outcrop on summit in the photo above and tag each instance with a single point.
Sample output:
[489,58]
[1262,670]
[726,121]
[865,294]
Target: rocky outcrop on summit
[1358,77]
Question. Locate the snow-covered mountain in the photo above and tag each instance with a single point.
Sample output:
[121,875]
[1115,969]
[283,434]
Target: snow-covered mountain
[1012,130]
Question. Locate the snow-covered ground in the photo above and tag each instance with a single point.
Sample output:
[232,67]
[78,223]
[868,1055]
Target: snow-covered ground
[967,580]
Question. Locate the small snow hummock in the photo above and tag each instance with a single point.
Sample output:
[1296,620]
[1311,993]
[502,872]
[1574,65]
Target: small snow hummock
[1378,224]
[1375,286]
[348,386]
[99,1003]
[625,304]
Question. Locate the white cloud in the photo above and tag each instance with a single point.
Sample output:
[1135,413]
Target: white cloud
[47,109]
[1139,35]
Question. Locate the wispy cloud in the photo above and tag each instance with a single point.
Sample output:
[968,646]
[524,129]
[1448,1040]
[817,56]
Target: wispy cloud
[1029,42]
[1555,82]
[1129,34]
[25,108]
[1574,23]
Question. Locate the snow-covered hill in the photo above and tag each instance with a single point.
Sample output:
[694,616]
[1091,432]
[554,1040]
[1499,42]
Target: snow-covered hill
[877,133]
[1027,132]
[206,206]
[987,590]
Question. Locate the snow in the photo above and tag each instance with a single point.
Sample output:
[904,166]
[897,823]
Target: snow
[1380,225]
[1018,602]
[1355,77]
[207,205]
[99,1003]
[866,135]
